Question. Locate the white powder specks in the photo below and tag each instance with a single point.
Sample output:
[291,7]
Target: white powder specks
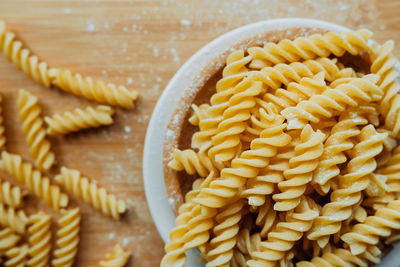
[156,88]
[171,201]
[129,80]
[134,27]
[155,51]
[111,236]
[91,27]
[126,137]
[126,241]
[186,23]
[106,26]
[159,79]
[170,134]
[125,29]
[175,54]
[67,11]
[127,129]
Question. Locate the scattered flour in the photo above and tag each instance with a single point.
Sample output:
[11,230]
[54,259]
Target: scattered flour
[67,11]
[125,29]
[91,27]
[127,129]
[186,23]
[129,80]
[111,236]
[174,52]
[155,51]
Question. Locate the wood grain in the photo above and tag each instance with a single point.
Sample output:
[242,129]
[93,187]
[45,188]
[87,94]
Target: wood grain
[140,44]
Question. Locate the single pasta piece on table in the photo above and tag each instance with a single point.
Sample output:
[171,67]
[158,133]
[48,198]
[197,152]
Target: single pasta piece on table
[118,258]
[88,190]
[33,128]
[79,120]
[67,238]
[33,180]
[39,239]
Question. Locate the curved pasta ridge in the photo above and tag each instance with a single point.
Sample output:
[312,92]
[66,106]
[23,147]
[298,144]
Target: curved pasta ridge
[16,220]
[11,195]
[351,186]
[313,46]
[332,100]
[266,217]
[23,58]
[91,193]
[16,256]
[39,239]
[33,180]
[79,119]
[301,168]
[8,238]
[338,257]
[286,233]
[118,258]
[33,128]
[67,238]
[248,165]
[392,171]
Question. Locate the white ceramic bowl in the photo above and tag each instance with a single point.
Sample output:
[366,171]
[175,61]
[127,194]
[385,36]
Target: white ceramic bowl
[153,175]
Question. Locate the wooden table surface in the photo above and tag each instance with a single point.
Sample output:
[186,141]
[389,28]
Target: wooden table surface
[140,44]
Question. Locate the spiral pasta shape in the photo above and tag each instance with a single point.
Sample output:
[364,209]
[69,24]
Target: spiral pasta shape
[8,238]
[339,257]
[193,162]
[226,231]
[338,142]
[248,165]
[16,256]
[67,238]
[266,217]
[118,258]
[379,225]
[89,192]
[2,129]
[199,113]
[296,92]
[79,119]
[235,117]
[33,128]
[383,63]
[33,180]
[39,239]
[22,58]
[16,220]
[311,47]
[11,195]
[333,100]
[351,185]
[392,171]
[287,232]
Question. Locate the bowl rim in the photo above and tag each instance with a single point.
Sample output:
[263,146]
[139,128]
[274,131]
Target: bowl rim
[153,175]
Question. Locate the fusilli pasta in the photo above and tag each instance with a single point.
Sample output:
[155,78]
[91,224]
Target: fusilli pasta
[39,239]
[118,258]
[16,256]
[16,220]
[8,239]
[11,195]
[89,192]
[33,180]
[79,119]
[2,129]
[32,125]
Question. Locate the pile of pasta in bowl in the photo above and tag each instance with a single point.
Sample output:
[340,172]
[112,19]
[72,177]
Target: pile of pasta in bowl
[296,157]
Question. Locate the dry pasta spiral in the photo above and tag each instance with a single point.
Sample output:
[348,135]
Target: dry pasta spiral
[193,162]
[22,57]
[338,142]
[118,258]
[333,100]
[304,48]
[351,185]
[235,117]
[266,217]
[16,256]
[32,125]
[88,190]
[339,257]
[301,168]
[93,90]
[8,238]
[2,129]
[382,64]
[379,225]
[282,239]
[16,220]
[248,165]
[392,171]
[199,113]
[226,231]
[39,239]
[11,195]
[79,119]
[67,238]
[33,180]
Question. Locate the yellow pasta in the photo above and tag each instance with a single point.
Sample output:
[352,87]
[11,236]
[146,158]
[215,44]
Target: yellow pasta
[339,257]
[266,217]
[8,239]
[33,180]
[118,258]
[79,120]
[199,113]
[89,192]
[301,168]
[2,129]
[22,58]
[39,239]
[351,185]
[32,125]
[16,256]
[11,195]
[332,100]
[311,47]
[67,238]
[16,220]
